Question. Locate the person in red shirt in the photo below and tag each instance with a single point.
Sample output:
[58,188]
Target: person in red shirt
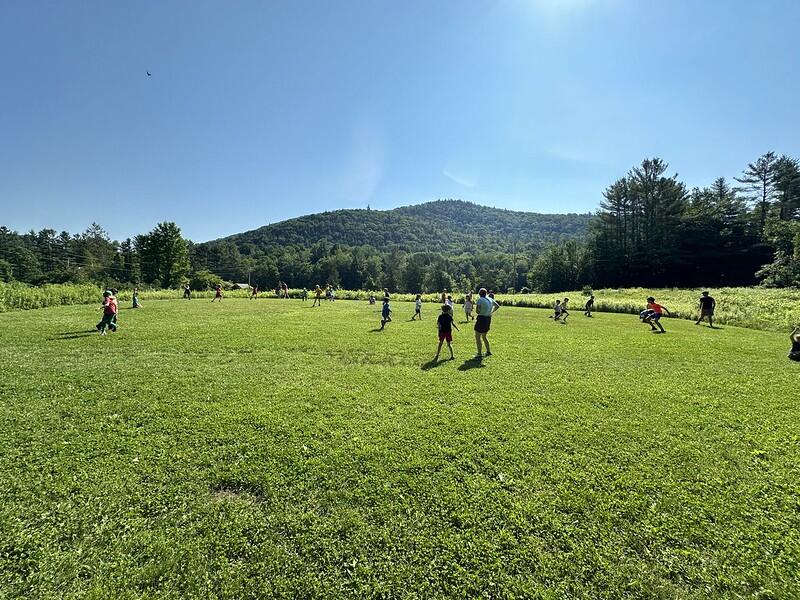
[109,320]
[652,315]
[445,323]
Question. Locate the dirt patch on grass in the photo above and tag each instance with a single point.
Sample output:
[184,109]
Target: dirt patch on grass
[226,491]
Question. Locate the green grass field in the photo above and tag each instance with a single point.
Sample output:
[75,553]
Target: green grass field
[268,449]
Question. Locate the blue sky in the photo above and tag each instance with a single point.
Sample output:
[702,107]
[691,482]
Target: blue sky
[261,111]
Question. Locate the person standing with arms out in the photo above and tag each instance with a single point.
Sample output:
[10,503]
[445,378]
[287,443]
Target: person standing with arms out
[445,323]
[187,292]
[317,297]
[485,307]
[707,306]
[417,308]
[587,310]
[217,293]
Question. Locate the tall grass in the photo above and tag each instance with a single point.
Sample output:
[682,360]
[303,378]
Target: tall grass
[19,296]
[755,308]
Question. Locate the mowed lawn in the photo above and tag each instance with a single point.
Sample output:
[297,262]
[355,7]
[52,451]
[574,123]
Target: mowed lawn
[268,449]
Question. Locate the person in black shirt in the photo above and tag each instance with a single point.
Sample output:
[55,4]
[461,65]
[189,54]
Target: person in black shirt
[794,353]
[445,324]
[707,306]
[587,310]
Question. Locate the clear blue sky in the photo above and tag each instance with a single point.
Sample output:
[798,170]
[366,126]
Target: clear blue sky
[261,111]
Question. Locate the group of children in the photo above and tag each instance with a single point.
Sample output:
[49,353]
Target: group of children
[445,322]
[561,310]
[651,315]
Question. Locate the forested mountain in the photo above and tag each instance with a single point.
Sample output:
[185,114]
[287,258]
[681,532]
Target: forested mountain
[448,226]
[650,230]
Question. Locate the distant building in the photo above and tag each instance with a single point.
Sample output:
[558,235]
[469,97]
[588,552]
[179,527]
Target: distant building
[241,286]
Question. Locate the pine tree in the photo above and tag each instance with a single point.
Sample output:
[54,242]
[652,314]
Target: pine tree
[759,185]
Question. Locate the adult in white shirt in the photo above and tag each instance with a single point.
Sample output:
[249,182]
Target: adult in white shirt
[485,307]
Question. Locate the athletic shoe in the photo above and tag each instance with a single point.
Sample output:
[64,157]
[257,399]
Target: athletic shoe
[488,354]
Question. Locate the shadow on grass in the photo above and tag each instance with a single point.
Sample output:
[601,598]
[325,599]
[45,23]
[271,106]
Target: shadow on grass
[72,335]
[376,329]
[472,363]
[432,364]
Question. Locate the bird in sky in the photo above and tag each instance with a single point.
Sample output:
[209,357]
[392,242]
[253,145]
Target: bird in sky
[148,73]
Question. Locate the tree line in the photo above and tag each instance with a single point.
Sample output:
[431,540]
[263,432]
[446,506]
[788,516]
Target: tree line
[650,230]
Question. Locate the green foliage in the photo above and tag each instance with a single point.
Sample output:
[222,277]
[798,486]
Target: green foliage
[446,226]
[784,270]
[270,450]
[650,231]
[203,280]
[164,255]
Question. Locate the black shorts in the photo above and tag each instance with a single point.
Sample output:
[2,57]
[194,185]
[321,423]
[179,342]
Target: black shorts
[482,323]
[794,356]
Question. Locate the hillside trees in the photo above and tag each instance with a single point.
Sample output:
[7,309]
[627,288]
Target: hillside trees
[649,231]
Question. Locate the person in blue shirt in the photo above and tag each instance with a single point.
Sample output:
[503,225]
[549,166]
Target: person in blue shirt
[386,312]
[485,307]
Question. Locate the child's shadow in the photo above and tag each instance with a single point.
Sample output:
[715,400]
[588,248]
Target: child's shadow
[472,363]
[71,335]
[376,329]
[432,364]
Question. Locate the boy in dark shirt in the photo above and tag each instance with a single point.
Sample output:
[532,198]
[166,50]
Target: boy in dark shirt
[707,306]
[794,353]
[445,323]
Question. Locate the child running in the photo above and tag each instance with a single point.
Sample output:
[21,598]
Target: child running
[587,310]
[653,313]
[304,294]
[217,293]
[109,313]
[445,323]
[254,293]
[556,311]
[564,311]
[417,308]
[468,307]
[794,353]
[386,313]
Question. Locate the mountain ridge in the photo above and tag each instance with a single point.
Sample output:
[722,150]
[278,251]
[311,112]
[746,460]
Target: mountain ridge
[450,226]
